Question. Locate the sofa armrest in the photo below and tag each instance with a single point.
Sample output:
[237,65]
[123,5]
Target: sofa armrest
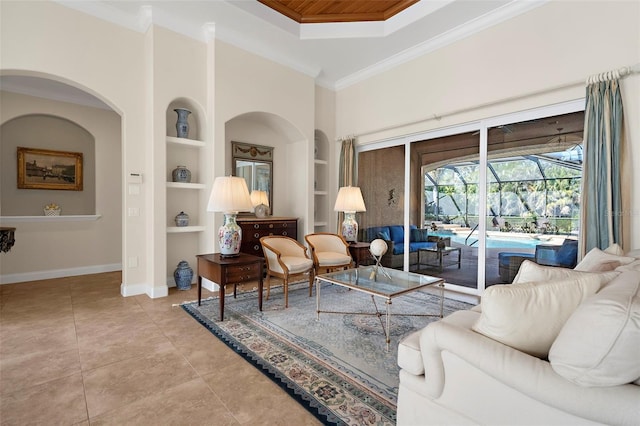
[529,375]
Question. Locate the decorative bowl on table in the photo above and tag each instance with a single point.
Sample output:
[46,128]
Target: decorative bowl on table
[52,210]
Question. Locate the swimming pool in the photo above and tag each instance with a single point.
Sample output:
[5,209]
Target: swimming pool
[493,241]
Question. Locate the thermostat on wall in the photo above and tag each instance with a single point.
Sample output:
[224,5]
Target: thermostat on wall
[135,177]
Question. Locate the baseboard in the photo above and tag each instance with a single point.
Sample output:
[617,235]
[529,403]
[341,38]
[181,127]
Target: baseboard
[58,273]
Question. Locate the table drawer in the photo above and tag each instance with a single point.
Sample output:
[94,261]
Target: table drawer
[243,273]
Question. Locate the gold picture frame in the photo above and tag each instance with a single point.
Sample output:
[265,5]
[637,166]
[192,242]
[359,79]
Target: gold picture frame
[48,169]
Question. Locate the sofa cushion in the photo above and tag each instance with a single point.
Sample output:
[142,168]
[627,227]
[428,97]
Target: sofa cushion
[397,233]
[531,272]
[596,260]
[529,316]
[600,343]
[419,235]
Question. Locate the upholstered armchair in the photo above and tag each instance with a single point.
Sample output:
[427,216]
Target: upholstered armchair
[565,255]
[329,251]
[286,259]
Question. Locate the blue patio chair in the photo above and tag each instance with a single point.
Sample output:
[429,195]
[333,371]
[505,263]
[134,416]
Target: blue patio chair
[565,255]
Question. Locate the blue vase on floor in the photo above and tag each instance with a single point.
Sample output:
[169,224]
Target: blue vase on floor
[183,275]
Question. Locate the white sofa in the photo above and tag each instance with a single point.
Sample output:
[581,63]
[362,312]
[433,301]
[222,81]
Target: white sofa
[453,375]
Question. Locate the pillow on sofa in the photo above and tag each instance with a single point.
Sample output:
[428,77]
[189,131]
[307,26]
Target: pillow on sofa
[419,235]
[384,235]
[532,272]
[600,343]
[529,316]
[596,259]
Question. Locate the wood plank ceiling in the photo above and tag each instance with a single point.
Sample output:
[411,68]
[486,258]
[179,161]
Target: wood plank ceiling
[323,11]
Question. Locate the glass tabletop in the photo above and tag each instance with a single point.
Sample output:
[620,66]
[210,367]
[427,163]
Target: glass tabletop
[365,278]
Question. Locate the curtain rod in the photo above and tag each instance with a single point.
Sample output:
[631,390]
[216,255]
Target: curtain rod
[614,74]
[622,72]
[438,117]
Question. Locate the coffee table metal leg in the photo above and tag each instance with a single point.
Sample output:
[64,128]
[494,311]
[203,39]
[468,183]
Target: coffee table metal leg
[388,330]
[317,299]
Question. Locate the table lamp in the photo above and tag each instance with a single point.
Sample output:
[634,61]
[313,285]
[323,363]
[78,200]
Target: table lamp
[260,202]
[350,201]
[229,195]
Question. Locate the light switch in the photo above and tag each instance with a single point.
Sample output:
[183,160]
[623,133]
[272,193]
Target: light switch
[134,189]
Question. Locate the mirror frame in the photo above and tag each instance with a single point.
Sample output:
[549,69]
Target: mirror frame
[259,154]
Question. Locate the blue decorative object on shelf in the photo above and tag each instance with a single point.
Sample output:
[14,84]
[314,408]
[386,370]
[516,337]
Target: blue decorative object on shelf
[181,174]
[182,219]
[183,275]
[182,125]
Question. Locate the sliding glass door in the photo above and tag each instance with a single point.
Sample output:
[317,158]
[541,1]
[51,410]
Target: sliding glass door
[473,202]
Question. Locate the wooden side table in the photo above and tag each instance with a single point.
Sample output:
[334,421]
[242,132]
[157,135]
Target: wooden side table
[360,253]
[229,270]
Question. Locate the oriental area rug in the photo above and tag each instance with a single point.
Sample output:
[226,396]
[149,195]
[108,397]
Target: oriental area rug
[336,366]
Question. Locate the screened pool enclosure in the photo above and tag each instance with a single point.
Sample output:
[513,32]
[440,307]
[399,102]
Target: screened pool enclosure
[533,193]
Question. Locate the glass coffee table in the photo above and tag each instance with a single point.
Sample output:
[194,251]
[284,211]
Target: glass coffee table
[380,282]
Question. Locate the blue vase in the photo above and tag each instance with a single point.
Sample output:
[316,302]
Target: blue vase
[182,219]
[183,275]
[181,174]
[182,125]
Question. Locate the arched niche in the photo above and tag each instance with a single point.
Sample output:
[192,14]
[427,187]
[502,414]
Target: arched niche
[53,133]
[196,120]
[289,162]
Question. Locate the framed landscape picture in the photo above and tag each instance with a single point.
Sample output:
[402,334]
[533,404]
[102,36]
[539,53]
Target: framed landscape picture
[46,169]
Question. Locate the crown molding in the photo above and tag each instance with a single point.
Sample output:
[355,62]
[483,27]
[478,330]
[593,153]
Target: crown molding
[147,16]
[463,31]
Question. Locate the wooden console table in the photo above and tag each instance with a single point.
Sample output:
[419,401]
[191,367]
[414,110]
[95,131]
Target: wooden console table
[229,270]
[253,228]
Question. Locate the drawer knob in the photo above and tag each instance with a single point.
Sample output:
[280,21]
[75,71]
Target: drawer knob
[284,233]
[284,225]
[256,226]
[256,247]
[271,225]
[256,235]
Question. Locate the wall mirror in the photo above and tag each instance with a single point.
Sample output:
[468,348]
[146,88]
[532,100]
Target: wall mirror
[255,164]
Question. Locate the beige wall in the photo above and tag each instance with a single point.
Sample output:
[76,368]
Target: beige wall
[281,100]
[90,246]
[45,39]
[48,132]
[549,52]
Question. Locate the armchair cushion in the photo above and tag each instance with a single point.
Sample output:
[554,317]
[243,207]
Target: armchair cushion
[297,265]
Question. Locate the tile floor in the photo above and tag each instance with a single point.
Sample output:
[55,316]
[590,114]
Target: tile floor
[75,352]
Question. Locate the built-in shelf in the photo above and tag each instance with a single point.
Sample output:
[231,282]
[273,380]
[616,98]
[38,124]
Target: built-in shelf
[320,224]
[61,218]
[184,141]
[320,161]
[184,229]
[182,185]
[320,193]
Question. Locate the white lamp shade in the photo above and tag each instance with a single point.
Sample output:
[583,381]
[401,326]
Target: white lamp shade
[349,200]
[259,197]
[229,194]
